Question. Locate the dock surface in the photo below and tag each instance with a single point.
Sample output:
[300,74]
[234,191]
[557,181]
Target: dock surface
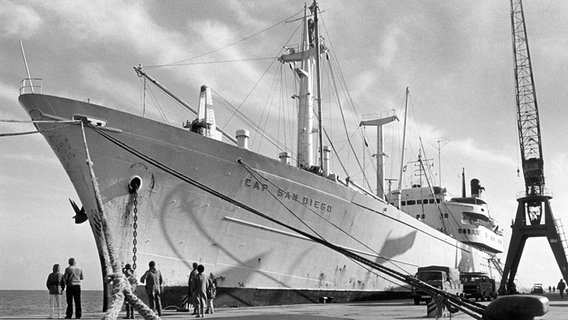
[389,309]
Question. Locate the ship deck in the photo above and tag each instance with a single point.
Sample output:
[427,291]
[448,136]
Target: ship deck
[387,309]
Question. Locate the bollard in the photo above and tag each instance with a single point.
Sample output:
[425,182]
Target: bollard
[516,307]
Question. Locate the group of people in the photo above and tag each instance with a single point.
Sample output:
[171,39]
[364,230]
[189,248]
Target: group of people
[561,287]
[57,283]
[202,291]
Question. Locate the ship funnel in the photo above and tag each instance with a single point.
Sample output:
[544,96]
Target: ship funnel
[326,160]
[242,138]
[284,157]
[476,188]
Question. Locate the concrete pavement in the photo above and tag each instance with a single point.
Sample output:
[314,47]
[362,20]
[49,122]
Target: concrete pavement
[390,309]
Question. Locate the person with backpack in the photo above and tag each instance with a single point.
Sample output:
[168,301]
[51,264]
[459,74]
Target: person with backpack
[211,293]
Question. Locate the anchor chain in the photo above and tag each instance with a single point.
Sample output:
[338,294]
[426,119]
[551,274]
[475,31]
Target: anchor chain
[134,231]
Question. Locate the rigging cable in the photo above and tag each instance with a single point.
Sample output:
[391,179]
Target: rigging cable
[262,76]
[227,46]
[346,130]
[275,142]
[342,78]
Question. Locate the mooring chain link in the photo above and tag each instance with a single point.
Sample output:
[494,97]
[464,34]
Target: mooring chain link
[134,231]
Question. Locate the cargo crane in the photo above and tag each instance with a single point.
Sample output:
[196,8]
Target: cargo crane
[534,215]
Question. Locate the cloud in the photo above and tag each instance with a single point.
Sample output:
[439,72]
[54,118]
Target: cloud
[389,47]
[103,80]
[33,157]
[18,20]
[121,23]
[8,92]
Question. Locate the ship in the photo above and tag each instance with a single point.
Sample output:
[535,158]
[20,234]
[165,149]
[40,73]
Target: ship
[467,218]
[194,193]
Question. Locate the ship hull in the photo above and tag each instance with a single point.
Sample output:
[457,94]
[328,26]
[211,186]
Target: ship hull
[258,261]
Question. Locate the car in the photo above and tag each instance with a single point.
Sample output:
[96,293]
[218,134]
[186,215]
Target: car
[537,289]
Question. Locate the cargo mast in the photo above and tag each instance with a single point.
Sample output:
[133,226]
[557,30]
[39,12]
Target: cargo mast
[534,215]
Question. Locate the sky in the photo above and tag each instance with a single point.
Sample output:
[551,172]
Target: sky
[455,57]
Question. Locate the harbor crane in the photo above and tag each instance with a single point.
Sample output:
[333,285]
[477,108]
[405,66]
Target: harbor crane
[534,215]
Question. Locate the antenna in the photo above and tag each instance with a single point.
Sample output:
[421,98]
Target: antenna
[439,144]
[26,64]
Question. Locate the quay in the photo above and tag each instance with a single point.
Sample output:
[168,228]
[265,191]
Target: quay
[386,309]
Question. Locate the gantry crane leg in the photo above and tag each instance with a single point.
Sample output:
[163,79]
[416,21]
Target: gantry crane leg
[526,226]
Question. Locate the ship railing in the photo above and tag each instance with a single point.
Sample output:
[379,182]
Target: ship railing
[31,85]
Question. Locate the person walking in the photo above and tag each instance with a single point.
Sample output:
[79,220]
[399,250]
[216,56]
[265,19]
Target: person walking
[131,278]
[200,291]
[190,283]
[153,279]
[211,293]
[73,276]
[55,285]
[561,286]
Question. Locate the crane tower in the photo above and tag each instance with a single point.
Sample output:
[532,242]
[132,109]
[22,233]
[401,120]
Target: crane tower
[534,215]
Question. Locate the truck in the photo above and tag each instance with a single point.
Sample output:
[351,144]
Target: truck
[441,277]
[478,285]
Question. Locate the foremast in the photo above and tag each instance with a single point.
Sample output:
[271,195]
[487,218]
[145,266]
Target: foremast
[307,57]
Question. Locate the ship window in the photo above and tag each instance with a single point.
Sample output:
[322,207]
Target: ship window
[410,202]
[418,201]
[403,203]
[423,216]
[438,200]
[418,216]
[446,215]
[425,201]
[459,230]
[468,230]
[431,200]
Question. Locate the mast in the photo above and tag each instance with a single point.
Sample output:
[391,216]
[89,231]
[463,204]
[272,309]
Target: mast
[307,56]
[26,65]
[403,139]
[305,102]
[318,79]
[380,151]
[397,193]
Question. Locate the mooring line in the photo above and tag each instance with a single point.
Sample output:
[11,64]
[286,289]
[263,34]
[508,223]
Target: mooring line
[121,287]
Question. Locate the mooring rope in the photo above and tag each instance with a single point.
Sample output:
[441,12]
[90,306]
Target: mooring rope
[121,287]
[13,134]
[474,309]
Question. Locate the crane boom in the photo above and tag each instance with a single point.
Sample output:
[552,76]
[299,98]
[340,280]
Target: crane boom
[527,107]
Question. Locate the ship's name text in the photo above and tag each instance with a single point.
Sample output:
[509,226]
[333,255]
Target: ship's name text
[306,201]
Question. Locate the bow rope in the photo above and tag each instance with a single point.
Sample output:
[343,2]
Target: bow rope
[121,287]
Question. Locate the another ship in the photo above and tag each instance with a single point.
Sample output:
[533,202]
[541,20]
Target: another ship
[467,219]
[178,195]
